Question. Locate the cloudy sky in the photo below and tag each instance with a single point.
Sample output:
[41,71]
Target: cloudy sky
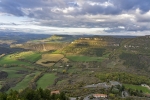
[101,17]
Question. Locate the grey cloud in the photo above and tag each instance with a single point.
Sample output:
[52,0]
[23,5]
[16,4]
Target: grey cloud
[99,9]
[14,24]
[11,8]
[132,4]
[143,18]
[46,17]
[14,7]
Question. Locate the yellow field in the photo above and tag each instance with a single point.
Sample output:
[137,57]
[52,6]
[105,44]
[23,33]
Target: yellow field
[49,60]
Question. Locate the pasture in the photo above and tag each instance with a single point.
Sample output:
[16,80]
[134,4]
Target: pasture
[74,70]
[49,60]
[9,60]
[30,56]
[13,59]
[1,82]
[25,82]
[13,71]
[137,87]
[46,80]
[85,58]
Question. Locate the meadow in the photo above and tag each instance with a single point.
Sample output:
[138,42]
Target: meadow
[13,59]
[137,87]
[1,84]
[46,80]
[25,82]
[74,70]
[31,56]
[9,60]
[19,64]
[12,71]
[85,58]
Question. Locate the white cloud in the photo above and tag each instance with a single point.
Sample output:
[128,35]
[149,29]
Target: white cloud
[104,4]
[112,16]
[64,10]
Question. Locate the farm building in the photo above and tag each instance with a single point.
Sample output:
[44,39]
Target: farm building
[55,92]
[99,95]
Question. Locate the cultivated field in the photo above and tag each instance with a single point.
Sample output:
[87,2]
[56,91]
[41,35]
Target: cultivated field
[25,82]
[31,56]
[46,80]
[13,72]
[49,60]
[1,84]
[13,59]
[85,58]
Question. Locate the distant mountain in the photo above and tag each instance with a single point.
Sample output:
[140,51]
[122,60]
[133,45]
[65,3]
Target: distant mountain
[21,37]
[54,42]
[57,38]
[7,50]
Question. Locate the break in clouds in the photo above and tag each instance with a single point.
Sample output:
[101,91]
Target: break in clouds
[110,15]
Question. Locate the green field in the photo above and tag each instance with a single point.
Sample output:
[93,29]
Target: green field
[85,58]
[74,70]
[61,82]
[12,71]
[12,59]
[8,60]
[46,80]
[137,87]
[1,84]
[31,56]
[25,82]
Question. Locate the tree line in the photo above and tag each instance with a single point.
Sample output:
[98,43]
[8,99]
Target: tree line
[30,94]
[124,78]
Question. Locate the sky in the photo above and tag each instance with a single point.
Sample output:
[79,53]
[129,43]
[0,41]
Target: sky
[97,17]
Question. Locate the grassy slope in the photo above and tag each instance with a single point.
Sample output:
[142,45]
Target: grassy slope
[137,87]
[86,58]
[13,58]
[46,80]
[12,72]
[0,84]
[33,57]
[24,83]
[8,60]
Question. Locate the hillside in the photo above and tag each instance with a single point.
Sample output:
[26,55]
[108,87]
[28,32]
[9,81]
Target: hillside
[72,66]
[93,46]
[43,46]
[54,42]
[7,50]
[57,39]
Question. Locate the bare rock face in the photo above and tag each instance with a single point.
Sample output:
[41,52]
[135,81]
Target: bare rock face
[3,75]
